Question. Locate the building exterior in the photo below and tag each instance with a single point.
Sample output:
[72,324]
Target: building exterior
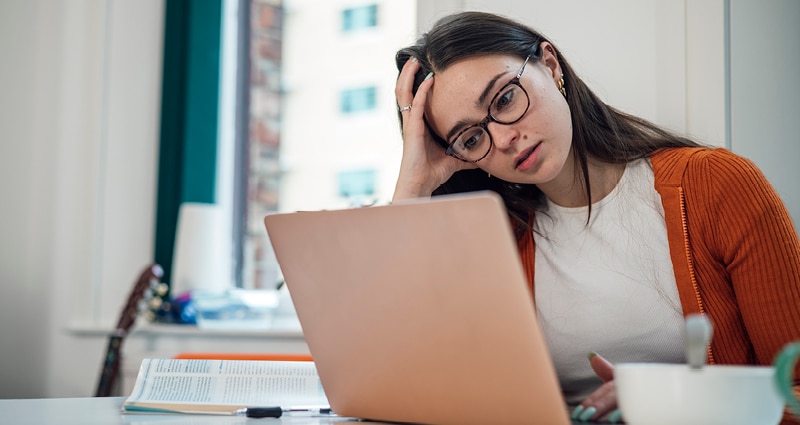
[323,122]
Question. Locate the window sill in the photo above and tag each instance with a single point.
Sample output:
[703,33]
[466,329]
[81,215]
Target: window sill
[283,329]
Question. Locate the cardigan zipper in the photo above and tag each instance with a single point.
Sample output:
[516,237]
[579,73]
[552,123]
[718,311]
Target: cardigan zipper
[692,277]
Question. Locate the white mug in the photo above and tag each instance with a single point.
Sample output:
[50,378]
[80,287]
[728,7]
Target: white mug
[668,394]
[657,393]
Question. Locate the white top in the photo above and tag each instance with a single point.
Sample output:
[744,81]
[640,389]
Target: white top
[607,286]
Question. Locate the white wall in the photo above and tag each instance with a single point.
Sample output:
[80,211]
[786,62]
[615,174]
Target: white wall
[765,92]
[78,153]
[27,161]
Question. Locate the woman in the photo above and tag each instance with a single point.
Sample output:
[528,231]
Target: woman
[630,227]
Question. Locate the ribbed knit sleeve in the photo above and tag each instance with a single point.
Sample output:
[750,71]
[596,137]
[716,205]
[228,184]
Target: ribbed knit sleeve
[751,234]
[747,230]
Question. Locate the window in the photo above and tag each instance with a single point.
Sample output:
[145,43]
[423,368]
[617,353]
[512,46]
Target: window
[304,142]
[358,186]
[358,100]
[359,18]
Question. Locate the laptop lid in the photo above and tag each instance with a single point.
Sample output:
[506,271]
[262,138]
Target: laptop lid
[419,311]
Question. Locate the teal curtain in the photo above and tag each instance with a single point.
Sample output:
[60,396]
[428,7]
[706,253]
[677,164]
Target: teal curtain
[189,115]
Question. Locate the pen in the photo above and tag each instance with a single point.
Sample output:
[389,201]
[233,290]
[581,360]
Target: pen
[277,411]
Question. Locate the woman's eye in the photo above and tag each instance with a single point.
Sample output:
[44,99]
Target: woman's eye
[504,98]
[471,139]
[471,142]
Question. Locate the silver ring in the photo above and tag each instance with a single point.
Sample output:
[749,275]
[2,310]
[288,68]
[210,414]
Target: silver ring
[404,108]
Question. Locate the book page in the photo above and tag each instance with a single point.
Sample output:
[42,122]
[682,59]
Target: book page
[187,385]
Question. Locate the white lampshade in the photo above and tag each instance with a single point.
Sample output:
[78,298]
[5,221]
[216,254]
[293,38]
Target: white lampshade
[199,258]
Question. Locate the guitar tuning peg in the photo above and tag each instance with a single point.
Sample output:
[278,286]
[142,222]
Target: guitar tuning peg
[155,303]
[149,316]
[161,289]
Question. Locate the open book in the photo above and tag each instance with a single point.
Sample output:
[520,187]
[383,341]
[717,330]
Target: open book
[224,386]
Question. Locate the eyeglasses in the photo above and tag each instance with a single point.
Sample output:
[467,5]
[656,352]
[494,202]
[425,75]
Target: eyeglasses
[508,106]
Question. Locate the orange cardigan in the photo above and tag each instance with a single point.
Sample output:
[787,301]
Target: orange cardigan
[734,250]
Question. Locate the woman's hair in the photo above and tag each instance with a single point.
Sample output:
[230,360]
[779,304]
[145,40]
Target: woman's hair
[600,132]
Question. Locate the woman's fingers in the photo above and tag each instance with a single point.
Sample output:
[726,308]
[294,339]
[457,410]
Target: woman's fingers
[413,125]
[418,171]
[602,367]
[602,403]
[418,104]
[405,83]
[413,109]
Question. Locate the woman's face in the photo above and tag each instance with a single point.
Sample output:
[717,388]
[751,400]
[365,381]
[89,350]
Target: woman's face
[533,150]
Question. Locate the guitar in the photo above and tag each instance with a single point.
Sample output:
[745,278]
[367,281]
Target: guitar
[146,288]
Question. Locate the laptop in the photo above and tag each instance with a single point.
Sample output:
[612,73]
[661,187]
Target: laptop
[419,312]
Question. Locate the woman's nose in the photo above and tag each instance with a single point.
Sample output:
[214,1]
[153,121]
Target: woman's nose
[503,136]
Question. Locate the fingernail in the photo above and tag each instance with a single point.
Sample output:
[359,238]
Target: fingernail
[592,355]
[413,58]
[428,77]
[577,411]
[615,416]
[588,413]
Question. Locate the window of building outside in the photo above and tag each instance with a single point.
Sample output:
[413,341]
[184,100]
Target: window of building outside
[358,100]
[360,17]
[321,122]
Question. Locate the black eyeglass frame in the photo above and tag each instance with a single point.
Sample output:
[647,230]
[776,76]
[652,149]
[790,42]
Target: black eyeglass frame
[483,124]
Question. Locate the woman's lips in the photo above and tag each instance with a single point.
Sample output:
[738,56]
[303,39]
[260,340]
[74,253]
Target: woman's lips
[527,158]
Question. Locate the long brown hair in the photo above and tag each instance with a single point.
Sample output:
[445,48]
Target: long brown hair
[600,131]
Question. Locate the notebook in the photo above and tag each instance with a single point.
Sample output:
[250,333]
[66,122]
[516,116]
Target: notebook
[419,312]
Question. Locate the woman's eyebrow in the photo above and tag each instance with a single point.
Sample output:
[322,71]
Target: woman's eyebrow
[488,89]
[479,103]
[456,128]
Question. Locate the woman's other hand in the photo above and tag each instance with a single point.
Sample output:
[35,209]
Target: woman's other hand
[601,405]
[424,165]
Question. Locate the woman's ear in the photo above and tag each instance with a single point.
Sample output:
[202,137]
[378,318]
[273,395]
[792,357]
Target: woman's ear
[550,60]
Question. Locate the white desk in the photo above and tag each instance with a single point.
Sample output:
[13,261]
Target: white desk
[106,411]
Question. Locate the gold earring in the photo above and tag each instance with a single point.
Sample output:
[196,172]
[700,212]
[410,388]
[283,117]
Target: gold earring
[561,87]
[489,175]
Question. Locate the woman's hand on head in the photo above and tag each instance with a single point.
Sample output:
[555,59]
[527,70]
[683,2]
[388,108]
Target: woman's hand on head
[602,403]
[425,165]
